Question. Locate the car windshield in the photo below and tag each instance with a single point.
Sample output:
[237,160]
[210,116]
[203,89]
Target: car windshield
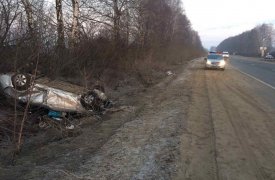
[217,57]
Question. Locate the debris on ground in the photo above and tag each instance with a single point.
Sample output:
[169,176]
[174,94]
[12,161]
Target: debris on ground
[170,73]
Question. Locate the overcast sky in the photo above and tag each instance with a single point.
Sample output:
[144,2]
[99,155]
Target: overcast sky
[216,20]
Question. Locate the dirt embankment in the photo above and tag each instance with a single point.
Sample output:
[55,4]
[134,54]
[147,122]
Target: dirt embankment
[139,142]
[194,125]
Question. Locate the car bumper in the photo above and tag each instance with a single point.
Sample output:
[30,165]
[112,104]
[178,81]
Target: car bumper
[215,66]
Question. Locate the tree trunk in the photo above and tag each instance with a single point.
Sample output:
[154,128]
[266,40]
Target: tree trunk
[75,24]
[60,25]
[127,25]
[116,21]
[7,19]
[30,20]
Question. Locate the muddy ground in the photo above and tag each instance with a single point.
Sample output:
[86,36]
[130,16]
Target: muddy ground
[197,124]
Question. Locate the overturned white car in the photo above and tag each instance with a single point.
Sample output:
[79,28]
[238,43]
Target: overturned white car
[20,86]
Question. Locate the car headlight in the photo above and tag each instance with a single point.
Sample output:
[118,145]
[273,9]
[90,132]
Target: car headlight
[208,62]
[222,63]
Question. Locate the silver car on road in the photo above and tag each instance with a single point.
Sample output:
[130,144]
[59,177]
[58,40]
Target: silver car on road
[215,61]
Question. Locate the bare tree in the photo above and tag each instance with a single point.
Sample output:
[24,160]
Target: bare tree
[60,25]
[75,23]
[116,20]
[8,14]
[109,13]
[30,18]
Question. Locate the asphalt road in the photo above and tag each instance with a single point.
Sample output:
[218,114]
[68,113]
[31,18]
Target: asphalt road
[264,71]
[261,72]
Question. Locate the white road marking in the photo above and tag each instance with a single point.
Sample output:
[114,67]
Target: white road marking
[272,87]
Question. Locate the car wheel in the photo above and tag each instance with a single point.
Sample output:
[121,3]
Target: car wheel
[90,101]
[21,81]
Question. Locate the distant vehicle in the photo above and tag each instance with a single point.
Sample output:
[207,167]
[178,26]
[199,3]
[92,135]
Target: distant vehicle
[225,54]
[212,52]
[269,56]
[215,61]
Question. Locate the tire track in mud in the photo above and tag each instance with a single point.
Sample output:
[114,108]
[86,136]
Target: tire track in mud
[255,104]
[239,133]
[269,121]
[265,148]
[249,99]
[198,150]
[245,95]
[213,130]
[242,129]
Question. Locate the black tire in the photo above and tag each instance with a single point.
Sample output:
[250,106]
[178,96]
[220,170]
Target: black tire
[21,81]
[90,101]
